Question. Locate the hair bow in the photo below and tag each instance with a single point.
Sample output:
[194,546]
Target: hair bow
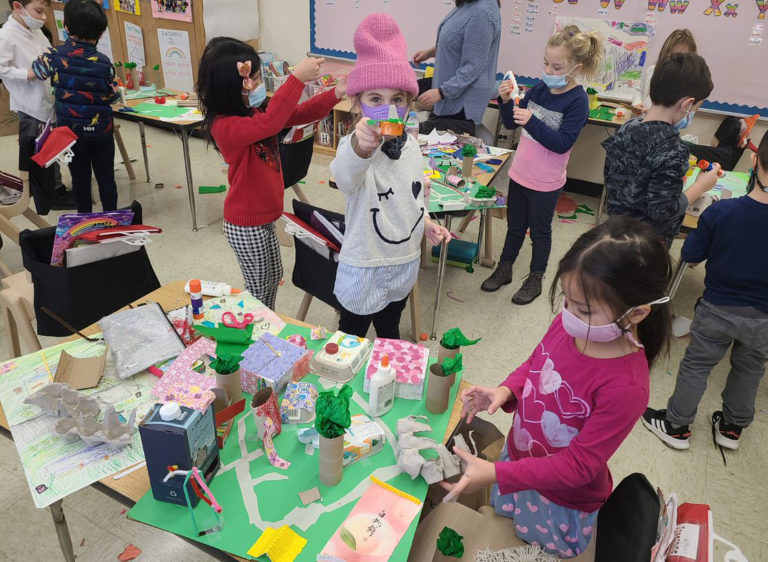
[244,69]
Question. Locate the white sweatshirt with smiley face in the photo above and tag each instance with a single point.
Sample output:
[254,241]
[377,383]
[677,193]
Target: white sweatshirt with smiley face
[385,205]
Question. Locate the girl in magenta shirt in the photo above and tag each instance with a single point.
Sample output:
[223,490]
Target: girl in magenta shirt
[580,392]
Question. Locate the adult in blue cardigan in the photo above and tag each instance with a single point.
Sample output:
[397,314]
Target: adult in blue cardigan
[466,57]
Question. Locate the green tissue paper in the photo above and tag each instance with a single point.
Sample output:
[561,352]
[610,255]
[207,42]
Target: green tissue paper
[226,364]
[453,338]
[449,543]
[469,150]
[229,341]
[485,192]
[332,411]
[452,364]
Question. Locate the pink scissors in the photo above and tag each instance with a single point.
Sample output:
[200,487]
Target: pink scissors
[231,321]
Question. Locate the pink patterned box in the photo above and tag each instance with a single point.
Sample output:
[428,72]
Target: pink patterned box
[409,362]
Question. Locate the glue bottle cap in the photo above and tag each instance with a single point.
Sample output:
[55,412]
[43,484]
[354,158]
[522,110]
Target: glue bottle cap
[170,411]
[385,361]
[331,348]
[195,286]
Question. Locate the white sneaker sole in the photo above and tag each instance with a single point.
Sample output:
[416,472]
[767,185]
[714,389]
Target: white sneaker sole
[723,441]
[678,444]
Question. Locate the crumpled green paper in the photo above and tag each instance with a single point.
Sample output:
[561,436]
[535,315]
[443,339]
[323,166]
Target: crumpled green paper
[332,411]
[453,338]
[226,364]
[452,365]
[229,341]
[468,150]
[485,192]
[449,543]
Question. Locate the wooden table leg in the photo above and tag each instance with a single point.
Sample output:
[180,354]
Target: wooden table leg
[304,307]
[124,153]
[413,300]
[62,531]
[487,257]
[465,221]
[300,193]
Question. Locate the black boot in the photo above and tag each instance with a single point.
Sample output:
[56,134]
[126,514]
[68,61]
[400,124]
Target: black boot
[531,288]
[501,276]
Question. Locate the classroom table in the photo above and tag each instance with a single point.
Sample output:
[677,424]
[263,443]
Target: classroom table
[133,483]
[182,129]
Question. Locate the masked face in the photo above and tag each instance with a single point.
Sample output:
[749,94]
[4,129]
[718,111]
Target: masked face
[557,67]
[34,17]
[256,97]
[687,119]
[374,104]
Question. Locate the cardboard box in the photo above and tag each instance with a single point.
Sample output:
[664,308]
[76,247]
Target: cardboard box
[9,122]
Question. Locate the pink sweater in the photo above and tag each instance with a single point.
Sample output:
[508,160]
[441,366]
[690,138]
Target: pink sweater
[572,413]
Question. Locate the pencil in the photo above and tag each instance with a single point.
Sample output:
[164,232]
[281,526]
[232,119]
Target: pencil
[47,368]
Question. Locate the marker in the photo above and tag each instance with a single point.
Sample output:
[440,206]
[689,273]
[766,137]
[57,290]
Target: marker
[47,368]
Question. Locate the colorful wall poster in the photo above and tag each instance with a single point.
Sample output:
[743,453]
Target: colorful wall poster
[105,45]
[179,10]
[134,39]
[175,59]
[128,6]
[58,18]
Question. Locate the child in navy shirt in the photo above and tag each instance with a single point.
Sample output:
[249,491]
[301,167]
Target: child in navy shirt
[84,88]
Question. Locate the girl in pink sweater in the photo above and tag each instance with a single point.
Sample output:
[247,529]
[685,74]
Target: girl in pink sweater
[580,392]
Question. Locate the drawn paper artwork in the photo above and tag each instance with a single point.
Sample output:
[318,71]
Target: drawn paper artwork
[626,45]
[179,10]
[175,59]
[134,40]
[128,6]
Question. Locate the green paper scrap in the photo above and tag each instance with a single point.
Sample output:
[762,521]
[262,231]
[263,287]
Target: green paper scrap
[167,111]
[229,341]
[485,192]
[226,364]
[130,65]
[469,150]
[453,338]
[591,91]
[212,188]
[452,365]
[332,412]
[449,543]
[259,500]
[156,67]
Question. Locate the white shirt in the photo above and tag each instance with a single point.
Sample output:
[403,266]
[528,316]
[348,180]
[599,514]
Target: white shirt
[643,92]
[20,46]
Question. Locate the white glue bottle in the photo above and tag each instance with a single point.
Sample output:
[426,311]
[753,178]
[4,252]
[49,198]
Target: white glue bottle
[382,395]
[214,289]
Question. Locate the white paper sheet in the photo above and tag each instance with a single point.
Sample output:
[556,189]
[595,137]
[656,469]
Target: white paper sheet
[231,18]
[105,45]
[175,59]
[134,38]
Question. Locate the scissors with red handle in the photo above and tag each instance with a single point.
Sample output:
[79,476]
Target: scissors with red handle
[231,321]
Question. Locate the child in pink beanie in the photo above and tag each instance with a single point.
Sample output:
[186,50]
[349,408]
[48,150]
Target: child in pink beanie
[383,182]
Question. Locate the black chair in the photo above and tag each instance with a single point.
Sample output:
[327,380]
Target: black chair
[83,295]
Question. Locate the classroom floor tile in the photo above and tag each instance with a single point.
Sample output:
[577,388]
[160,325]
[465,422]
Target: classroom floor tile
[509,334]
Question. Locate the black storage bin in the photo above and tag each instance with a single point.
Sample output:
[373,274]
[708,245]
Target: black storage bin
[295,159]
[312,272]
[85,294]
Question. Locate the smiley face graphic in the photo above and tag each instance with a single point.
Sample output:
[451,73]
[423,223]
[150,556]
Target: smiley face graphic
[392,239]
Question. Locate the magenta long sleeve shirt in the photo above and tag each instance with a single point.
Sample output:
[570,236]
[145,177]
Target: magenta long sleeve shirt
[571,414]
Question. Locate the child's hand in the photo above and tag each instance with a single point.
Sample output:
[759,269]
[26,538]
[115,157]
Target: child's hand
[31,74]
[308,69]
[483,399]
[478,475]
[341,89]
[435,233]
[368,138]
[522,116]
[424,54]
[505,90]
[710,178]
[430,97]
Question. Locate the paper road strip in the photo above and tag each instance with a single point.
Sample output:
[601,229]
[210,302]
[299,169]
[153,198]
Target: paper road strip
[128,471]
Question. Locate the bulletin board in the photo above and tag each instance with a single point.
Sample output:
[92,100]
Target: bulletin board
[149,26]
[730,36]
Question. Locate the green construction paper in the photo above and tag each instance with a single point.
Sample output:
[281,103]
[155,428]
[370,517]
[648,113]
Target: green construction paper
[469,150]
[277,498]
[130,65]
[156,67]
[452,364]
[449,543]
[485,192]
[332,411]
[226,364]
[591,91]
[160,110]
[229,341]
[212,188]
[453,338]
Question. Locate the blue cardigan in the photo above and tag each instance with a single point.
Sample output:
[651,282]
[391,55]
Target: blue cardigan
[466,58]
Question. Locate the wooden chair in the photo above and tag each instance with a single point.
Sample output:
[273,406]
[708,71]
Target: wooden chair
[21,207]
[18,313]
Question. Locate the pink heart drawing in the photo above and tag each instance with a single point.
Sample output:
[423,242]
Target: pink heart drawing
[508,507]
[542,530]
[568,552]
[572,406]
[557,434]
[535,508]
[551,546]
[527,388]
[571,539]
[517,511]
[564,527]
[521,437]
[587,530]
[549,379]
[545,501]
[521,528]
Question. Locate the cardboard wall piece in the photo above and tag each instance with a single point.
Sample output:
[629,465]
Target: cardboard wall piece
[9,122]
[80,372]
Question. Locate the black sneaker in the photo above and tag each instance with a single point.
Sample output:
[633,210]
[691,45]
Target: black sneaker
[502,275]
[531,288]
[725,434]
[656,422]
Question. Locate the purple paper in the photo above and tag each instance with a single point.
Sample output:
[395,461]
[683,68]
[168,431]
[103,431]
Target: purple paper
[72,226]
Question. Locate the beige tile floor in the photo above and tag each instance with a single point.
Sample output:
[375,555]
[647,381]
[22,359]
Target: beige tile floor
[100,530]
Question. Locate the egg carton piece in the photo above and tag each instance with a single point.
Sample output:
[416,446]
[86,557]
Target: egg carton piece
[110,430]
[60,400]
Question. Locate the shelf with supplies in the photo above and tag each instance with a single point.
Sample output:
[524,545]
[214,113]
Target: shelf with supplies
[331,129]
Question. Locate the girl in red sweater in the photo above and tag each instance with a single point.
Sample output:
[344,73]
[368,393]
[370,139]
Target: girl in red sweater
[244,129]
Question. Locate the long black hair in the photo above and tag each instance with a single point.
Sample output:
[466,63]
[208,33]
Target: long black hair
[219,84]
[623,263]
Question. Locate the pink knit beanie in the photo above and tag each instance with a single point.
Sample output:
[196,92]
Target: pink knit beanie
[382,58]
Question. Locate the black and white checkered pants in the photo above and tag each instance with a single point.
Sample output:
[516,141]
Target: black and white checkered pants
[258,254]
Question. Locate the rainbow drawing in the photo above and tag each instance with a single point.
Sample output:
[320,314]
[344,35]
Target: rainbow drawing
[175,52]
[72,226]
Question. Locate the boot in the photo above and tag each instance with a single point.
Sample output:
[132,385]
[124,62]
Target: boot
[531,288]
[501,276]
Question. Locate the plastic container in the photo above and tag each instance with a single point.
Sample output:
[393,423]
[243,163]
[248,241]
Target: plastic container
[412,124]
[382,395]
[196,298]
[213,288]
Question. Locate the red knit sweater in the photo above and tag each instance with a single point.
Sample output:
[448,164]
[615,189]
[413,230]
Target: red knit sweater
[249,146]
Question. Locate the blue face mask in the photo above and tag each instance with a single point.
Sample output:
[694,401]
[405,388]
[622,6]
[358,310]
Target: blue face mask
[256,97]
[554,80]
[685,121]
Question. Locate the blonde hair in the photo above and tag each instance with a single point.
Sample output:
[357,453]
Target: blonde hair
[585,49]
[678,38]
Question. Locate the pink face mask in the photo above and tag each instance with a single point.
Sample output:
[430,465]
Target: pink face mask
[577,328]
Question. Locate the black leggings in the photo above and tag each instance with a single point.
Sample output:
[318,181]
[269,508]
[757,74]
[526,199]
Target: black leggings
[527,208]
[386,321]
